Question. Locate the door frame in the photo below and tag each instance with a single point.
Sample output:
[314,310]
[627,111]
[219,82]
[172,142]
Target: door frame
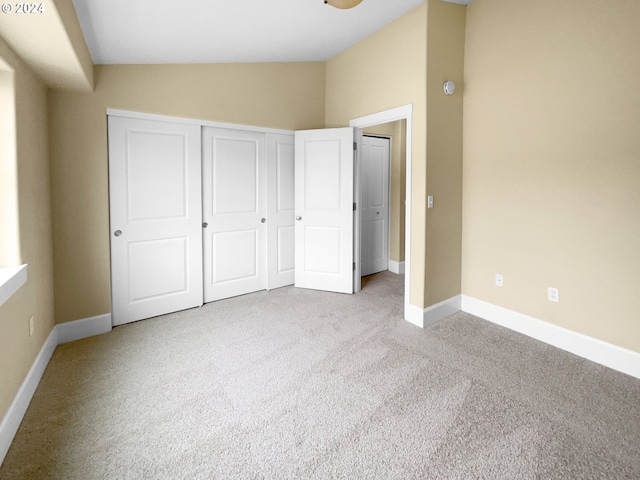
[411,314]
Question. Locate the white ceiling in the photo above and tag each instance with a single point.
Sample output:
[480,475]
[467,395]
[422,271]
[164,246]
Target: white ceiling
[221,31]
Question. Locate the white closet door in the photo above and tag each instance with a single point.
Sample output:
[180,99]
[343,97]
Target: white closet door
[324,161]
[374,213]
[155,216]
[234,198]
[280,210]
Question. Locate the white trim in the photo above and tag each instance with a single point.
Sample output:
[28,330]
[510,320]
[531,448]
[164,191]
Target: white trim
[62,333]
[11,279]
[113,112]
[396,267]
[400,113]
[414,315]
[13,418]
[612,356]
[88,327]
[434,313]
[391,115]
[441,310]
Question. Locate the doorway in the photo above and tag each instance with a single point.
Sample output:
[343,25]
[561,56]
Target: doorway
[411,313]
[383,187]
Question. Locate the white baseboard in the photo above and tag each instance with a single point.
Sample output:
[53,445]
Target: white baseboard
[612,356]
[62,333]
[88,327]
[396,267]
[430,315]
[437,312]
[13,418]
[414,315]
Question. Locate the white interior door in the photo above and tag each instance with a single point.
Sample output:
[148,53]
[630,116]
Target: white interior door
[374,212]
[234,197]
[324,165]
[280,210]
[155,216]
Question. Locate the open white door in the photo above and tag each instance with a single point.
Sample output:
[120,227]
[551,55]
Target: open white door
[234,213]
[155,209]
[324,166]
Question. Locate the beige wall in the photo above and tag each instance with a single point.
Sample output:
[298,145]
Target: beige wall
[551,168]
[17,350]
[445,61]
[551,162]
[406,62]
[287,96]
[383,71]
[397,179]
[51,44]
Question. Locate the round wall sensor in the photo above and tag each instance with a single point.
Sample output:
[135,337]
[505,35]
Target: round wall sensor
[449,87]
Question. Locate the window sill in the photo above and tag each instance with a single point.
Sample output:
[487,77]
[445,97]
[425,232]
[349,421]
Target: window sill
[11,279]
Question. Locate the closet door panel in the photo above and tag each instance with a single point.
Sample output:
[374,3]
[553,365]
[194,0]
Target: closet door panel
[280,210]
[155,214]
[234,212]
[374,211]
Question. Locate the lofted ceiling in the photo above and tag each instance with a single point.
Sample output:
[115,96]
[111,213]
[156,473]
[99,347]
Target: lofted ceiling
[217,31]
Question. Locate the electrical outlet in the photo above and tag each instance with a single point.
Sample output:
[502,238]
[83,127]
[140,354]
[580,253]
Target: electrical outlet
[32,327]
[499,280]
[430,201]
[553,295]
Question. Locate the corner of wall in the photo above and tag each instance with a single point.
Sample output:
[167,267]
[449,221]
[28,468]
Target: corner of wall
[445,61]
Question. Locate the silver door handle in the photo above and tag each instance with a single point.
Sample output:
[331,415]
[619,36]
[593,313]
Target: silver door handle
[298,218]
[205,225]
[117,233]
[264,220]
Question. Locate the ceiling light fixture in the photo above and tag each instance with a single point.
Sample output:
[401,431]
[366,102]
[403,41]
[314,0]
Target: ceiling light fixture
[344,4]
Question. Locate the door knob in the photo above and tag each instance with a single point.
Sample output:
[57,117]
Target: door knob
[117,233]
[264,220]
[205,225]
[298,218]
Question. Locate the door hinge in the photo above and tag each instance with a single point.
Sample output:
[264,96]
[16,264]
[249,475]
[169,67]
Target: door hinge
[354,266]
[355,145]
[354,207]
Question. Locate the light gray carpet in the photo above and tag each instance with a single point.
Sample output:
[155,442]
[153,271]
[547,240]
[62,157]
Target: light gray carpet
[300,384]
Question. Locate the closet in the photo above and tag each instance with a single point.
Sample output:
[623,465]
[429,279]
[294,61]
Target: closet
[197,213]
